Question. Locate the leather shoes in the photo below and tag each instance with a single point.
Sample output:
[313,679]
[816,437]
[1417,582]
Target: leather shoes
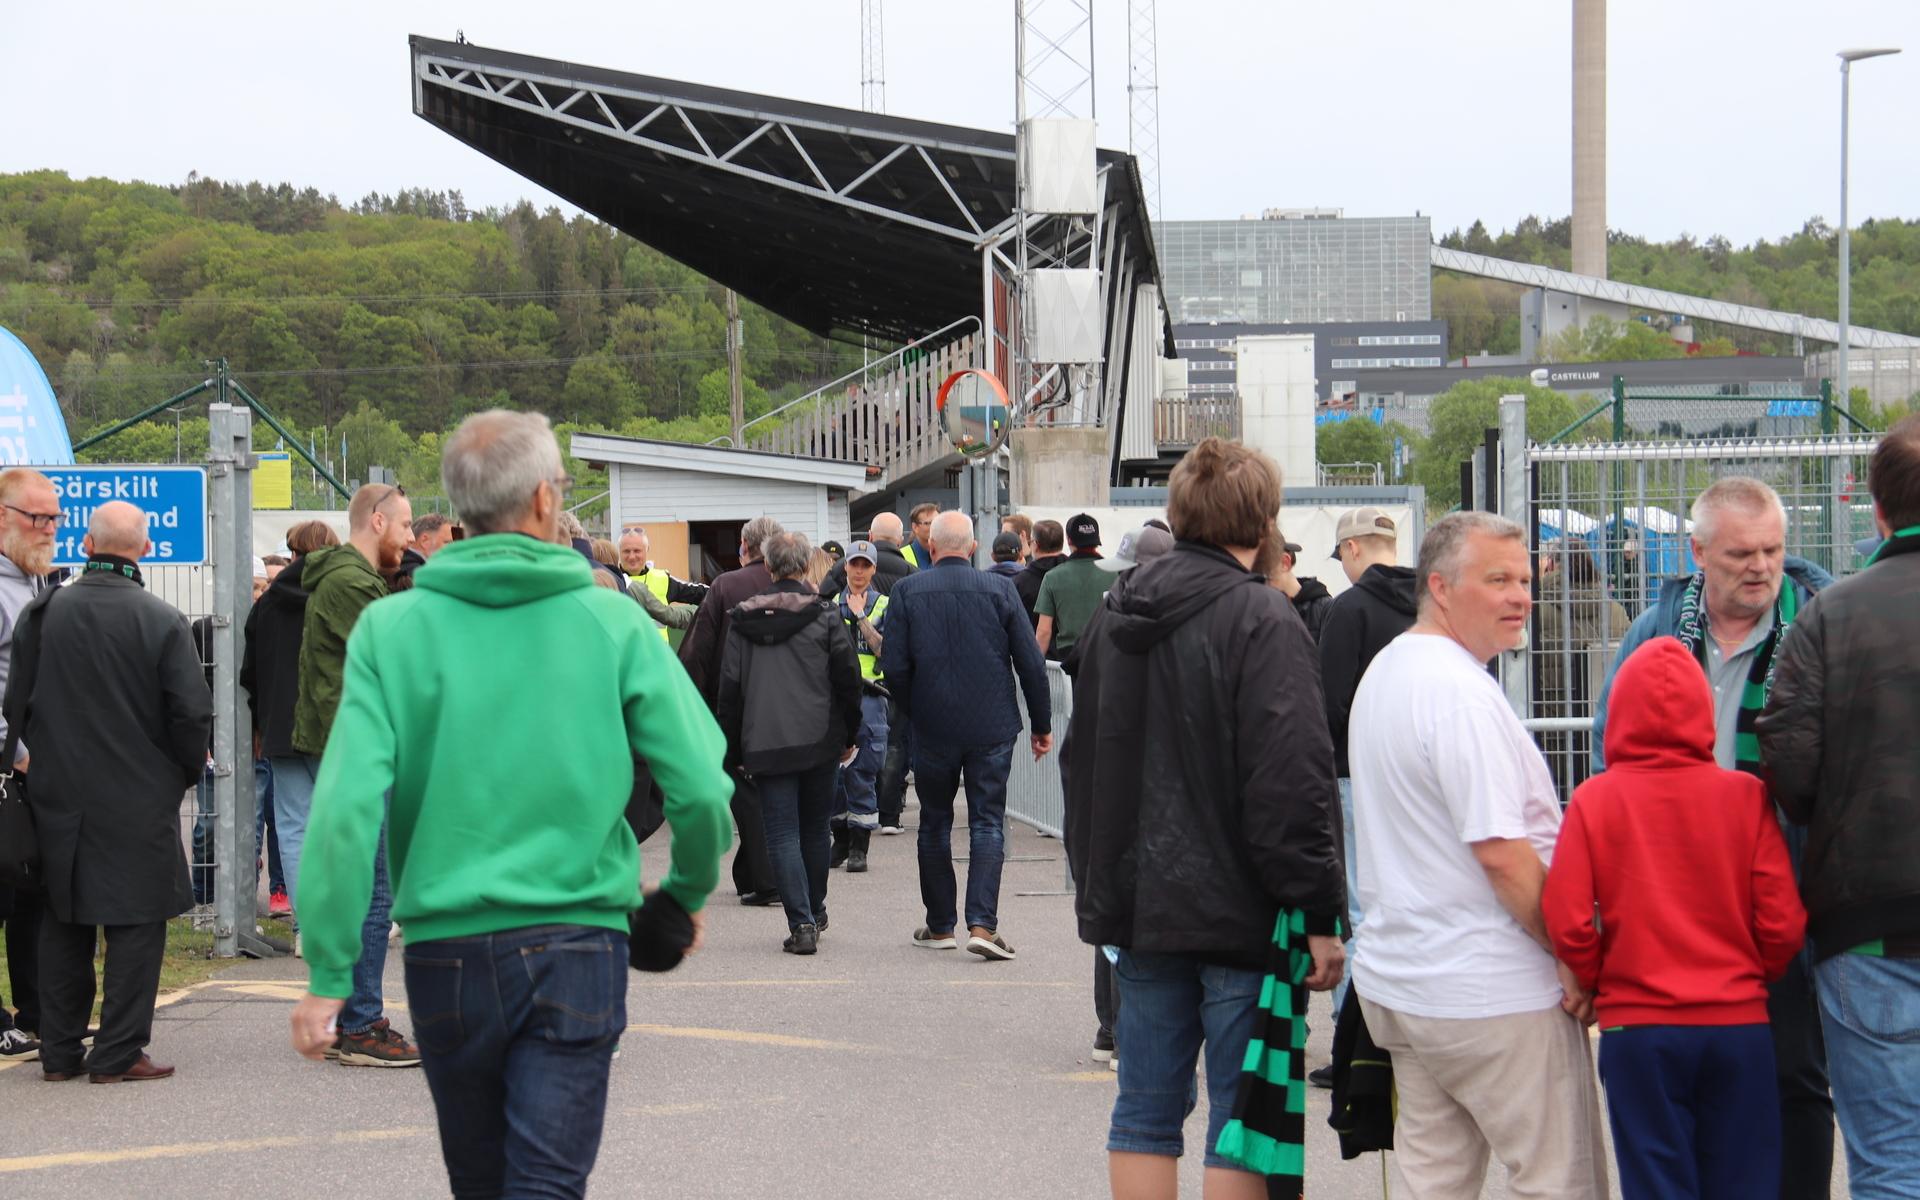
[140,1071]
[60,1076]
[765,899]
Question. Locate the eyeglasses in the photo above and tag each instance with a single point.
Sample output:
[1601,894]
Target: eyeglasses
[392,491]
[41,520]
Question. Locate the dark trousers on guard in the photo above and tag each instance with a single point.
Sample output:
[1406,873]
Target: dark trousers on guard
[130,980]
[1694,1111]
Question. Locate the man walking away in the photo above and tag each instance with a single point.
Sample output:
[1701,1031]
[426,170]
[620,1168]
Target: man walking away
[1376,609]
[954,642]
[107,688]
[29,526]
[509,772]
[863,608]
[1671,899]
[1456,818]
[790,700]
[1006,556]
[1731,615]
[1310,597]
[1070,592]
[341,582]
[1049,551]
[701,652]
[1838,740]
[1184,854]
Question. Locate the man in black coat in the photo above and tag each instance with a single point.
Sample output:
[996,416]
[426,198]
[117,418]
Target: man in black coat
[700,654]
[1199,781]
[110,694]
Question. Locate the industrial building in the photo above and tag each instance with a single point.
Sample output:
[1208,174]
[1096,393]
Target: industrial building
[1301,266]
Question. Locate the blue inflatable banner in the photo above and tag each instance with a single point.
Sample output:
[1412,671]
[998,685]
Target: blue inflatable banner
[31,427]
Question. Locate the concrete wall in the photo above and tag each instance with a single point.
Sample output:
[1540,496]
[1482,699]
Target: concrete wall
[1276,384]
[1065,466]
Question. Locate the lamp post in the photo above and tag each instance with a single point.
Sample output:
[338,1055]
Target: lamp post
[1845,349]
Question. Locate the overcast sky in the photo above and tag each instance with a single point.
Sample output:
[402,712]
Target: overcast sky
[1723,115]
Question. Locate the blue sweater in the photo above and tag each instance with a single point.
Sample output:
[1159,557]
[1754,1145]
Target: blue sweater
[952,634]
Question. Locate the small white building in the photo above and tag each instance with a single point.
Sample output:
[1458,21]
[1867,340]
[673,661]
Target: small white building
[692,500]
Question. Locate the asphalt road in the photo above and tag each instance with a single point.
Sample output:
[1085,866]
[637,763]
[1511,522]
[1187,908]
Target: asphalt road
[872,1070]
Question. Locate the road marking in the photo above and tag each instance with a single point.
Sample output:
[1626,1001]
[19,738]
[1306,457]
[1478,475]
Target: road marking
[1088,1076]
[741,1035]
[94,1158]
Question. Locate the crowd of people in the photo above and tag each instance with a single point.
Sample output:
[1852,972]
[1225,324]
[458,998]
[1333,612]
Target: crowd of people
[1271,790]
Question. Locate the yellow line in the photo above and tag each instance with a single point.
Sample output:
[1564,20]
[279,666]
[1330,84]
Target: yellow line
[741,1035]
[1088,1076]
[92,1158]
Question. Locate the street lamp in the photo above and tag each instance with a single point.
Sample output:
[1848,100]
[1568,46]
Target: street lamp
[1847,59]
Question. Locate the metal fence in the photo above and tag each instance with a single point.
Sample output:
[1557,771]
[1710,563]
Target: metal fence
[1035,795]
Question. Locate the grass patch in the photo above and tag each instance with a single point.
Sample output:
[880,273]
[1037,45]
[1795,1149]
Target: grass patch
[189,959]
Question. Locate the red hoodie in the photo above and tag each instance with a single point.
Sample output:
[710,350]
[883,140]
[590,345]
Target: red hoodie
[1682,862]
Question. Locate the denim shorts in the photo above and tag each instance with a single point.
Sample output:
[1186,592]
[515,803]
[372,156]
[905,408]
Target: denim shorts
[1170,1008]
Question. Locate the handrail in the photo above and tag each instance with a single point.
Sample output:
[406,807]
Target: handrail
[866,369]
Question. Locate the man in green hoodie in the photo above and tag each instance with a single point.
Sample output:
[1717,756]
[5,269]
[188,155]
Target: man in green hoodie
[502,701]
[341,582]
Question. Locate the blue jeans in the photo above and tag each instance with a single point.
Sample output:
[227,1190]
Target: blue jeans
[797,808]
[366,1005]
[1353,889]
[1694,1110]
[937,769]
[1170,1007]
[203,825]
[859,799]
[1870,1008]
[293,777]
[516,1032]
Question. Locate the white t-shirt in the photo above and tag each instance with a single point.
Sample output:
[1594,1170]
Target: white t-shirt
[1439,761]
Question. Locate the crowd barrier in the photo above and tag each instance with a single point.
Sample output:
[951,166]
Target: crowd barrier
[1035,796]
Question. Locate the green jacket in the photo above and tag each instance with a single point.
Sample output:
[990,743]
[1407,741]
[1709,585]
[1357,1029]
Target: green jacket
[340,583]
[502,701]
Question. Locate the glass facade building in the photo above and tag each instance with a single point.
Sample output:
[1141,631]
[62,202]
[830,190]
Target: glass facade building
[1298,270]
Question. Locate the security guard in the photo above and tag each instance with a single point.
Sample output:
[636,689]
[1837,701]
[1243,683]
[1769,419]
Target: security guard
[920,518]
[864,608]
[665,588]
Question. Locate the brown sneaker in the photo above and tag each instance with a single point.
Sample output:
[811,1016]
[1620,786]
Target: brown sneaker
[380,1046]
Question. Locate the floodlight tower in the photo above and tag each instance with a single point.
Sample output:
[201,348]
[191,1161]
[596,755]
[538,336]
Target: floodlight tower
[873,58]
[1143,99]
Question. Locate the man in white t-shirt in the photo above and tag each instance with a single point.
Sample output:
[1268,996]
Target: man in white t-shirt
[1455,819]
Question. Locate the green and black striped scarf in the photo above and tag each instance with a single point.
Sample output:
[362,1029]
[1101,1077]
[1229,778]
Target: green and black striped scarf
[1268,1131]
[1692,634]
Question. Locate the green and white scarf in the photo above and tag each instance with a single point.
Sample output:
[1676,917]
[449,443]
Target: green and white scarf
[1267,1133]
[1753,698]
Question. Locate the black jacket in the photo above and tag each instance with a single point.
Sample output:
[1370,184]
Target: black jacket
[1839,747]
[270,662]
[891,569]
[1360,623]
[1027,583]
[701,649]
[107,690]
[789,697]
[1313,604]
[1199,776]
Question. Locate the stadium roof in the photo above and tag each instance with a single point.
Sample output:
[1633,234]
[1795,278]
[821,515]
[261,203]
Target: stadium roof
[841,221]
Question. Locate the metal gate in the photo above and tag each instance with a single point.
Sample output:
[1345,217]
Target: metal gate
[1610,522]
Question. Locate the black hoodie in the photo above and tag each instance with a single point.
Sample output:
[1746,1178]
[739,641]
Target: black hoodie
[789,697]
[270,662]
[1198,772]
[1360,623]
[1312,604]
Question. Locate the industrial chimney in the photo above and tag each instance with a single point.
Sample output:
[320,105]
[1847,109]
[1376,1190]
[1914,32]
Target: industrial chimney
[1590,137]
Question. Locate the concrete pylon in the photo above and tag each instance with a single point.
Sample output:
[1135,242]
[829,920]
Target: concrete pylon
[1590,137]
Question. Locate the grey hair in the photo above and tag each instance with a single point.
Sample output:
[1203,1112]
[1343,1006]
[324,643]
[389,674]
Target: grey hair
[757,532]
[494,463]
[1445,545]
[952,533]
[1743,492]
[787,554]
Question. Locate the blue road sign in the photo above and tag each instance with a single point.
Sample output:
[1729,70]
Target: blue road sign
[174,499]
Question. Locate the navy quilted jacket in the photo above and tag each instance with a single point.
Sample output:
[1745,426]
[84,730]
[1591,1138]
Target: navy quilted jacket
[952,633]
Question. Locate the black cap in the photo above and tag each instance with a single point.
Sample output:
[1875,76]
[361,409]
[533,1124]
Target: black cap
[833,548]
[1083,532]
[1006,547]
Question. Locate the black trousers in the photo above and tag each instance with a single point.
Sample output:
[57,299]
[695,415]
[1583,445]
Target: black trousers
[22,908]
[1800,1066]
[131,982]
[752,868]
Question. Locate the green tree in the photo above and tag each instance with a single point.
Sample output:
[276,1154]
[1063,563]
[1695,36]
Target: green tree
[1355,440]
[599,393]
[1458,422]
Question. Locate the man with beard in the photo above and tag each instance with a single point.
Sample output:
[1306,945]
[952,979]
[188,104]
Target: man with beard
[341,581]
[29,523]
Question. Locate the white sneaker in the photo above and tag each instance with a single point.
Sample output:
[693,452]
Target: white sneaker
[891,830]
[927,939]
[18,1046]
[296,945]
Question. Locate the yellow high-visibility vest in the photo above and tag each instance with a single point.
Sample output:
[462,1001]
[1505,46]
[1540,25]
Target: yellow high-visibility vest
[869,662]
[656,582]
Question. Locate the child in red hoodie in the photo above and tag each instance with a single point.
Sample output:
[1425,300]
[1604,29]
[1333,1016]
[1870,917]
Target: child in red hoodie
[1671,898]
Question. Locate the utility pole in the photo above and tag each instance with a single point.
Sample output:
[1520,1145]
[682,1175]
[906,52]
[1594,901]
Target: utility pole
[735,337]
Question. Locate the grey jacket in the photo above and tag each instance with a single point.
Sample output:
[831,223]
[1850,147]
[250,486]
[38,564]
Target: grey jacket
[789,691]
[16,589]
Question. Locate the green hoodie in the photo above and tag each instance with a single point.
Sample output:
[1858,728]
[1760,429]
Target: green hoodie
[340,583]
[502,701]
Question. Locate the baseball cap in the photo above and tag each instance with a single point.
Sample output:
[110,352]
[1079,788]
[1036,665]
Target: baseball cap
[833,548]
[1292,548]
[259,567]
[862,550]
[1362,522]
[1138,548]
[1006,547]
[1083,532]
